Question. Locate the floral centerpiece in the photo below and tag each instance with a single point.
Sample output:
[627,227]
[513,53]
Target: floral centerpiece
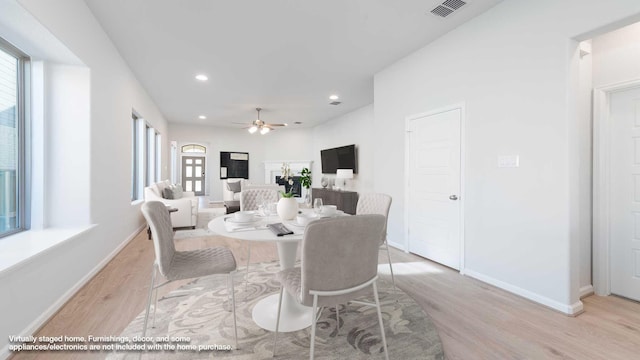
[288,177]
[287,205]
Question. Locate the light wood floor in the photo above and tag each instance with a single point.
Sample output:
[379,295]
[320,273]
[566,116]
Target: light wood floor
[474,320]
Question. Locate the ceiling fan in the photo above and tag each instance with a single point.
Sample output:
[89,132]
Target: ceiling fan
[261,125]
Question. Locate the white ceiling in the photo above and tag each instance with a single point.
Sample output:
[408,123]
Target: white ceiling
[285,56]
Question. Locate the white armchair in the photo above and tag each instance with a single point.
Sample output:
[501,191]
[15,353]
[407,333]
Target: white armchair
[187,214]
[228,195]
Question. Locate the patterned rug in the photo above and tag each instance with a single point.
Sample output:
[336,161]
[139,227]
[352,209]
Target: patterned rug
[200,311]
[202,229]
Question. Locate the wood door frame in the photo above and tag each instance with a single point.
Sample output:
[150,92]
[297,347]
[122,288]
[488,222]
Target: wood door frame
[601,266]
[407,161]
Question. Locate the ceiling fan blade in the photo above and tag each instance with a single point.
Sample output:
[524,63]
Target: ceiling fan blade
[277,124]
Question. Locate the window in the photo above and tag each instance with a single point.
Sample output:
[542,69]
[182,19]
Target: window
[146,145]
[148,153]
[135,156]
[193,148]
[13,96]
[158,157]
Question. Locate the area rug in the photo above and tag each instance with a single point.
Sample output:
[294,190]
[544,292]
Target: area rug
[200,312]
[202,229]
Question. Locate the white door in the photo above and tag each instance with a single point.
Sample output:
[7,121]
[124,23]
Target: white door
[193,174]
[625,193]
[433,197]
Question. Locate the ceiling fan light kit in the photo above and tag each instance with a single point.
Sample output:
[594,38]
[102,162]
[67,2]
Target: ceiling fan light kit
[261,125]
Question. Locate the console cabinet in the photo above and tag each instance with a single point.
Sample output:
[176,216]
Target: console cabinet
[344,200]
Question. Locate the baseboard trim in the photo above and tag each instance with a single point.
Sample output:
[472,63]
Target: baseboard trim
[396,245]
[53,309]
[568,309]
[586,291]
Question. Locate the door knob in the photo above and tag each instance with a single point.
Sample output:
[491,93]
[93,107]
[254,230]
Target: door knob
[453,197]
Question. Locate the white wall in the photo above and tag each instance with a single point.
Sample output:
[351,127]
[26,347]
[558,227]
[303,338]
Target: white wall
[616,56]
[512,68]
[87,153]
[281,145]
[356,127]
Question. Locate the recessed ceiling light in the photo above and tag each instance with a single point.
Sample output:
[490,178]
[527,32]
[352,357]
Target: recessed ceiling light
[334,97]
[202,117]
[202,77]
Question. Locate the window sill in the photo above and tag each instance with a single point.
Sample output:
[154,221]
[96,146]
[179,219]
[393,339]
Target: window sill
[136,202]
[25,246]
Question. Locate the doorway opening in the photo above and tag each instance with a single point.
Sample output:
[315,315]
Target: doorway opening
[607,151]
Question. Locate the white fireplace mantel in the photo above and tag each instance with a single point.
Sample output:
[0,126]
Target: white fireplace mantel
[274,168]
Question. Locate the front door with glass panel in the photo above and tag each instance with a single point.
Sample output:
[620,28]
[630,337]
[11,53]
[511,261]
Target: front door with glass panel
[193,174]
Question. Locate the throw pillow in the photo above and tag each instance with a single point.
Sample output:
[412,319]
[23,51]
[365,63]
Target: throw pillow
[177,191]
[167,193]
[173,192]
[235,186]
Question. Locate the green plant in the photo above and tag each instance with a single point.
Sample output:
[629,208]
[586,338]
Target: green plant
[305,178]
[287,194]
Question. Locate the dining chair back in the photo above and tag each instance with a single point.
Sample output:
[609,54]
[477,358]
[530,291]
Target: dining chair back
[377,203]
[251,199]
[339,264]
[159,221]
[339,254]
[179,265]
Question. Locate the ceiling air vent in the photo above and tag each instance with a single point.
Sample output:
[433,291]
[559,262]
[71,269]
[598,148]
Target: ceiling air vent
[454,4]
[447,7]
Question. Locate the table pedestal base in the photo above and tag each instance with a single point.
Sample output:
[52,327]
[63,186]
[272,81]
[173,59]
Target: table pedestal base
[294,316]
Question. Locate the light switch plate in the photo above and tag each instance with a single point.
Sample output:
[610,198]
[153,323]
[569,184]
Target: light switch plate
[508,161]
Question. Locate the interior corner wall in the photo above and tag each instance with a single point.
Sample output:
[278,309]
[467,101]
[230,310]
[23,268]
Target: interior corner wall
[584,176]
[356,127]
[109,91]
[67,114]
[512,74]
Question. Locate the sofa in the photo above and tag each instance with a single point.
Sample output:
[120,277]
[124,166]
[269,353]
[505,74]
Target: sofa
[187,205]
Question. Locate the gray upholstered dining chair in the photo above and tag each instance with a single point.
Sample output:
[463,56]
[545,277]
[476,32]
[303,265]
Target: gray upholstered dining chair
[180,265]
[339,264]
[376,203]
[250,200]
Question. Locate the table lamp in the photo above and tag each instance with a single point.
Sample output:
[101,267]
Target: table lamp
[344,174]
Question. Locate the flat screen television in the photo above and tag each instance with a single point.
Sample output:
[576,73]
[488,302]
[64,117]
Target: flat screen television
[343,157]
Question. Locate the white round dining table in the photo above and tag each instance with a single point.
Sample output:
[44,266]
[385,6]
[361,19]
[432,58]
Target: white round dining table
[294,316]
